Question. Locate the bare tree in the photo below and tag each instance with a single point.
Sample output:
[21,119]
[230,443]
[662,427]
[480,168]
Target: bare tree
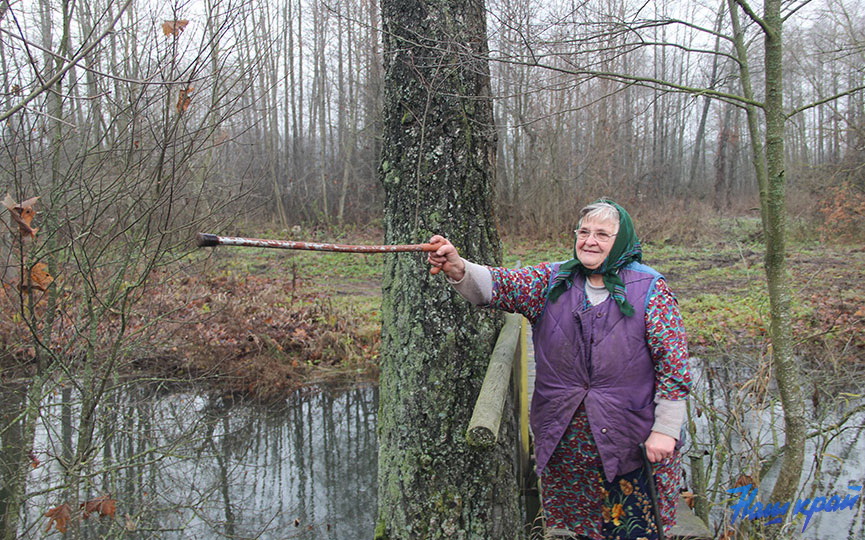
[112,210]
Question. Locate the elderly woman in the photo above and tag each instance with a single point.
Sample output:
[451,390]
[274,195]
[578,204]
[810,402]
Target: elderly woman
[612,372]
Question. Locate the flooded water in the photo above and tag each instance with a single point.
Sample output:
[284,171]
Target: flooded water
[739,434]
[181,465]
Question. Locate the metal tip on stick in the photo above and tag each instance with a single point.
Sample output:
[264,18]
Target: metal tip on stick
[206,240]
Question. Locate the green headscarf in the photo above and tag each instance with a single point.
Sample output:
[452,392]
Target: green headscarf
[626,249]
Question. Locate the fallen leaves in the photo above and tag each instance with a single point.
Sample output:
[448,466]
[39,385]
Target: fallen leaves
[251,333]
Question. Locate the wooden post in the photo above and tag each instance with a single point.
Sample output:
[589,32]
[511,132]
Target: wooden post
[521,361]
[529,493]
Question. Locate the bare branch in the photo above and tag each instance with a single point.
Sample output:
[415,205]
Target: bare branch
[648,82]
[686,24]
[85,67]
[795,9]
[54,118]
[823,101]
[752,15]
[74,61]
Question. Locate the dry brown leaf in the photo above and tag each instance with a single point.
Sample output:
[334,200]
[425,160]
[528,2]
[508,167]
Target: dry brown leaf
[743,480]
[174,28]
[8,202]
[184,98]
[24,218]
[688,497]
[59,517]
[39,278]
[104,506]
[28,203]
[22,214]
[728,534]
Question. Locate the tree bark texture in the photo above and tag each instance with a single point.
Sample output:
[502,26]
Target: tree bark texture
[437,169]
[775,225]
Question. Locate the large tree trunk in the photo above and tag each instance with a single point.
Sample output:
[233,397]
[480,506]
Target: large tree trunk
[437,167]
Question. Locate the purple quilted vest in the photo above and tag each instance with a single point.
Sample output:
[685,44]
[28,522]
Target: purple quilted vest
[600,358]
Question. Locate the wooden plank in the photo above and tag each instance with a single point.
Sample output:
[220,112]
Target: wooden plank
[484,425]
[688,525]
[525,392]
[530,347]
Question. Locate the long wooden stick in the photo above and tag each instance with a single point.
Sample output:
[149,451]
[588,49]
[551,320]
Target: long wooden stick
[209,240]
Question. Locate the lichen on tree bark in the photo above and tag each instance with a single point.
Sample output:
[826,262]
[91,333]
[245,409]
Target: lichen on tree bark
[437,170]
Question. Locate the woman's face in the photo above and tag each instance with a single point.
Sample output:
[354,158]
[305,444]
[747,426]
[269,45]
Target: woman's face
[592,251]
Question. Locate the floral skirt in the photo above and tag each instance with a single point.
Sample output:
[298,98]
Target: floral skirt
[578,500]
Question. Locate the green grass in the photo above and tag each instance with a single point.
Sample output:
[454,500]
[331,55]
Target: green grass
[721,286]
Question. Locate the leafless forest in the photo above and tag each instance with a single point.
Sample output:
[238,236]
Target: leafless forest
[138,123]
[276,105]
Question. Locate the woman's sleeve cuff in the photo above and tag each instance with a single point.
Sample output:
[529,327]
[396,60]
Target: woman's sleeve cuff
[669,416]
[476,285]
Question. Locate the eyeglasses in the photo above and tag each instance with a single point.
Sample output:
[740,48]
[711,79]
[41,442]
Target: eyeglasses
[600,236]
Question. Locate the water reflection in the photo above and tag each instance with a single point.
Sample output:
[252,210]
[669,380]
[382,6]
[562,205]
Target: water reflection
[184,465]
[181,465]
[740,430]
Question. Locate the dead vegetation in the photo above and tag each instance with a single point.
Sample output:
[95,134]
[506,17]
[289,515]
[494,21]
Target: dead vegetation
[262,323]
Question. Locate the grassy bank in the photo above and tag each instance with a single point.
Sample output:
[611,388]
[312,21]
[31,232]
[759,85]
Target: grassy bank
[262,322]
